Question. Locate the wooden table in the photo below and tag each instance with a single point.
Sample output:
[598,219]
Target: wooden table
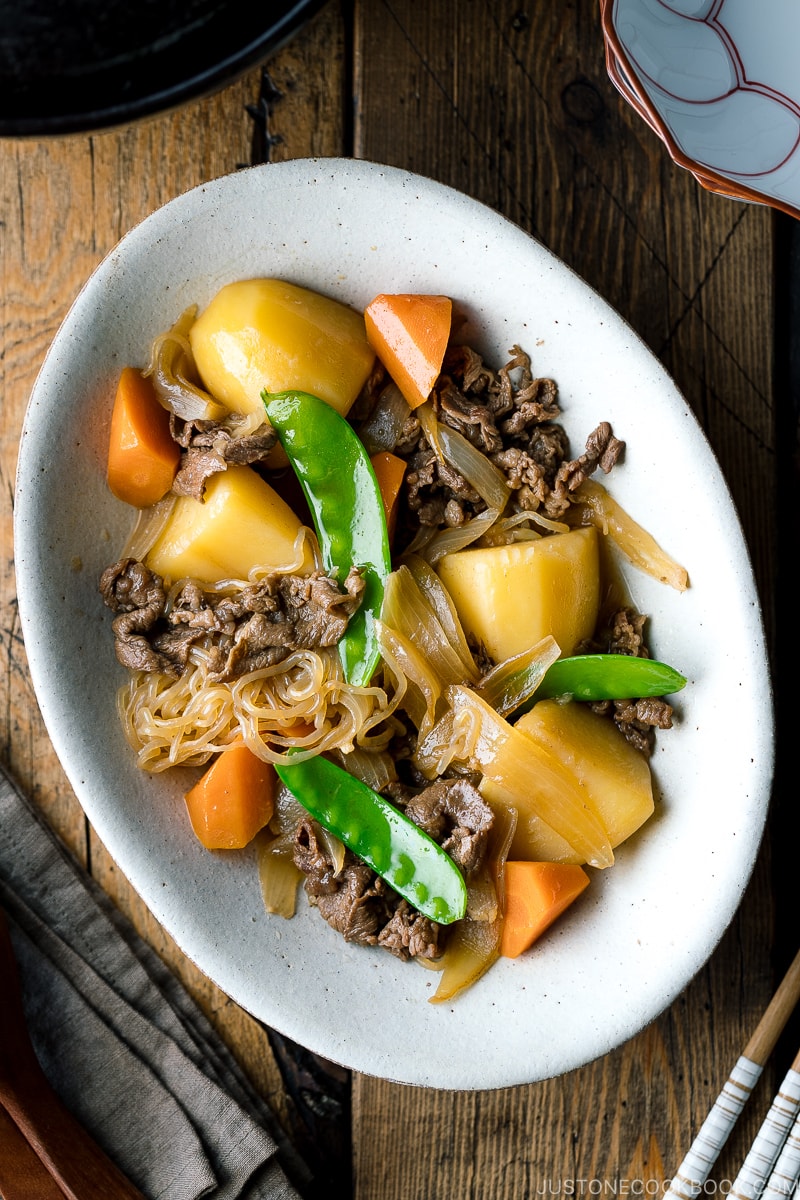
[510,103]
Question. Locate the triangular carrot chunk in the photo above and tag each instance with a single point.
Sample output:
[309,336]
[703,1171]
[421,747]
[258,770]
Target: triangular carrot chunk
[409,334]
[233,800]
[142,457]
[536,893]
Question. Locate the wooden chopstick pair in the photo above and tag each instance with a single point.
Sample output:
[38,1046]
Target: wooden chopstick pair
[771,1169]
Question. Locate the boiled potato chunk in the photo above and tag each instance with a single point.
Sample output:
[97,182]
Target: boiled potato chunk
[242,522]
[266,333]
[616,777]
[510,597]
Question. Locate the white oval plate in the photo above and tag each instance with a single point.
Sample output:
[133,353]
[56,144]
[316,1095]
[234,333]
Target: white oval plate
[718,81]
[643,929]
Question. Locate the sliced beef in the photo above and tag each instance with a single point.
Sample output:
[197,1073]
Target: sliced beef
[311,857]
[409,934]
[130,589]
[475,378]
[408,438]
[471,417]
[436,493]
[636,718]
[602,450]
[353,901]
[651,712]
[257,626]
[196,468]
[511,416]
[621,633]
[531,470]
[358,909]
[360,905]
[284,613]
[454,814]
[208,447]
[534,403]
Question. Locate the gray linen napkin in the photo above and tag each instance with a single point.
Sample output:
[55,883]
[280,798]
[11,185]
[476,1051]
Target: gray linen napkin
[120,1039]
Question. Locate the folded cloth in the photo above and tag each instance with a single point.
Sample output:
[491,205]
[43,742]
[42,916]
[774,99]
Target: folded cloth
[122,1042]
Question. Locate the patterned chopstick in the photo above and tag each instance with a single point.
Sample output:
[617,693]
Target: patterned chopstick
[786,1172]
[769,1141]
[691,1175]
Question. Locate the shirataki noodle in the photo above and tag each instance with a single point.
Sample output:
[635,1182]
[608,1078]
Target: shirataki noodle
[301,702]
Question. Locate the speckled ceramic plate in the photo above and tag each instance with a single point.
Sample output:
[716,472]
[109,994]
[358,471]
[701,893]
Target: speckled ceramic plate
[643,929]
[717,80]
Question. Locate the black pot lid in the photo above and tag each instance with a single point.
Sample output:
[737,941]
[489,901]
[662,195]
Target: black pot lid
[69,66]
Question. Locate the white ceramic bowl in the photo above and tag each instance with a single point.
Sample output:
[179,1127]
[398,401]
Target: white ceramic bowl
[718,81]
[644,928]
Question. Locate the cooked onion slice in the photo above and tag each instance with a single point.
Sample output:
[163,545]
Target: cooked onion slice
[473,945]
[278,874]
[376,768]
[447,541]
[277,871]
[519,528]
[442,604]
[171,367]
[485,888]
[513,682]
[479,471]
[406,610]
[453,448]
[442,745]
[149,524]
[476,737]
[430,427]
[596,507]
[422,691]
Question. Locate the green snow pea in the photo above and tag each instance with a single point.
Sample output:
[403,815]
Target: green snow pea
[608,677]
[339,484]
[385,839]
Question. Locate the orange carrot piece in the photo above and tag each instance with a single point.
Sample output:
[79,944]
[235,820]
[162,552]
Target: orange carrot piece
[536,893]
[389,472]
[409,334]
[142,457]
[233,800]
[300,729]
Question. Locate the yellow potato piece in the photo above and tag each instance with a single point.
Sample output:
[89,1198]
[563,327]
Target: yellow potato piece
[267,333]
[616,777]
[241,523]
[510,597]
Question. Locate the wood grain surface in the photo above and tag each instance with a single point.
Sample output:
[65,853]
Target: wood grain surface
[511,103]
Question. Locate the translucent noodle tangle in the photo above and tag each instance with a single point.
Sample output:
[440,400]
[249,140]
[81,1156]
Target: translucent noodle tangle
[302,702]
